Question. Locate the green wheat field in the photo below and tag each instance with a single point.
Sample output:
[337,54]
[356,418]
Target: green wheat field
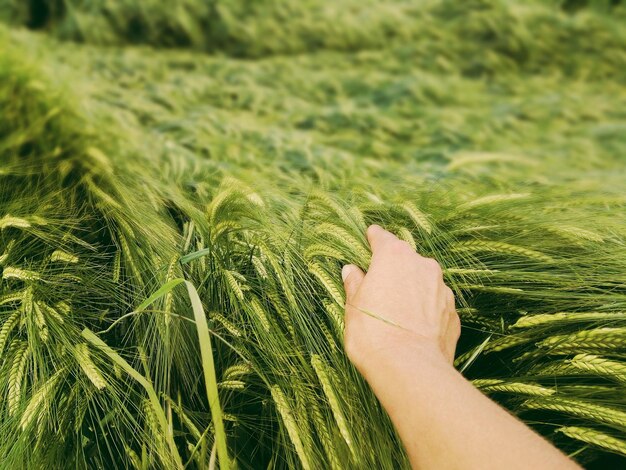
[181,182]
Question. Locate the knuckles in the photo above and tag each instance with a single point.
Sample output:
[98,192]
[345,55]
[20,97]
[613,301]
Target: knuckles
[401,248]
[432,267]
[402,252]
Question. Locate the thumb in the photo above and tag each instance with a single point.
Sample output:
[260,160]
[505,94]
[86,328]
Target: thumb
[352,278]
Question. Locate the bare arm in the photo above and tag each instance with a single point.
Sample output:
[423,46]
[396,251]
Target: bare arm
[401,332]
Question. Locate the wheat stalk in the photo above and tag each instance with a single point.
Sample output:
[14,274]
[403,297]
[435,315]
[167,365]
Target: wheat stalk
[463,159]
[492,199]
[16,376]
[100,194]
[331,340]
[233,281]
[169,297]
[583,409]
[151,425]
[290,424]
[232,384]
[178,409]
[284,283]
[44,393]
[63,307]
[259,267]
[136,272]
[133,457]
[320,371]
[418,217]
[259,311]
[6,329]
[83,357]
[277,303]
[327,441]
[11,297]
[318,249]
[489,246]
[599,365]
[529,321]
[230,327]
[237,370]
[40,321]
[491,289]
[336,314]
[328,282]
[13,222]
[596,438]
[63,257]
[224,228]
[117,266]
[49,311]
[217,201]
[323,199]
[494,385]
[344,238]
[10,272]
[599,339]
[506,342]
[576,234]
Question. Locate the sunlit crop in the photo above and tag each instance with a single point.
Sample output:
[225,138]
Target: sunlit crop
[181,182]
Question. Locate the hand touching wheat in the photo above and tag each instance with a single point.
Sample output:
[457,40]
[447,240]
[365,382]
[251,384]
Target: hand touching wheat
[401,331]
[400,305]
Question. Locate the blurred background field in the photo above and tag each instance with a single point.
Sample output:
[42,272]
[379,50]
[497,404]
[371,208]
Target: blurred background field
[245,146]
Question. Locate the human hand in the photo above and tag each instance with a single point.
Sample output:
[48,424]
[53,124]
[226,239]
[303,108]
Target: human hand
[401,306]
[401,331]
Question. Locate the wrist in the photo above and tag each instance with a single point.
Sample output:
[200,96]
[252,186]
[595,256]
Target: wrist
[416,361]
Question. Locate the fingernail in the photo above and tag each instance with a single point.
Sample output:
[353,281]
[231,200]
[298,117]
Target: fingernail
[345,271]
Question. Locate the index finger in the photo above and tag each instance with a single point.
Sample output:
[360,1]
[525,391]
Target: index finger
[378,237]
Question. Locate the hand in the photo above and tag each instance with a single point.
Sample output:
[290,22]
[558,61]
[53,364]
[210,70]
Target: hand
[401,331]
[401,306]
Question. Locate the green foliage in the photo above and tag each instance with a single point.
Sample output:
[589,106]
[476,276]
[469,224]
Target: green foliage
[488,134]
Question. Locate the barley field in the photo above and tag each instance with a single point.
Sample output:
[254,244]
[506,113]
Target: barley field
[181,182]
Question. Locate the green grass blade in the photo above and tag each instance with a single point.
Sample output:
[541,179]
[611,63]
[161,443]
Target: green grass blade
[195,255]
[208,364]
[210,378]
[154,399]
[163,290]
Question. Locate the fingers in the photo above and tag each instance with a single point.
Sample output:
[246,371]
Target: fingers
[352,278]
[378,237]
[385,245]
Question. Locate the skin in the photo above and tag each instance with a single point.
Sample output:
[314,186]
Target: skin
[401,331]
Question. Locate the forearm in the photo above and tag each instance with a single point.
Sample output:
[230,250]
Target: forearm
[445,422]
